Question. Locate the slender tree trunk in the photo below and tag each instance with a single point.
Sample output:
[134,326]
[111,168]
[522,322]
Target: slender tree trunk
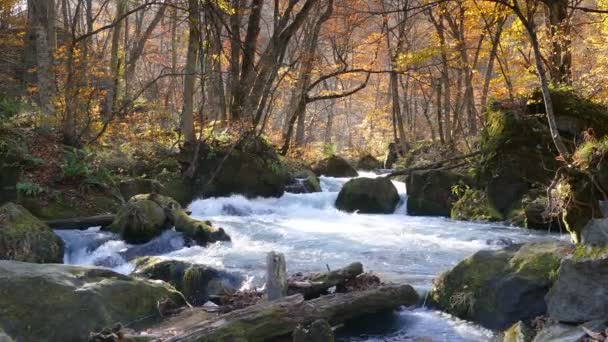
[490,69]
[187,125]
[560,66]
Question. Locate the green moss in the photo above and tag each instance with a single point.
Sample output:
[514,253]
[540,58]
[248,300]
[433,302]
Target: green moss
[23,237]
[141,219]
[474,205]
[582,252]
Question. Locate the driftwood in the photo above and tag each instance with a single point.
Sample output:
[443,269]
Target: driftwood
[269,320]
[276,276]
[318,284]
[436,165]
[81,222]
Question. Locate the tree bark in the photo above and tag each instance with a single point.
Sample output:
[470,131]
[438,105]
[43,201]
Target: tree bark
[270,320]
[187,124]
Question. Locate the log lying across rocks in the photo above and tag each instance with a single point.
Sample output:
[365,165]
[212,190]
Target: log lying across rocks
[269,320]
[81,222]
[318,284]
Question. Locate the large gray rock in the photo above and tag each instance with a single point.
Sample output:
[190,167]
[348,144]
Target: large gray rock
[54,302]
[23,237]
[567,333]
[580,293]
[369,163]
[334,166]
[429,193]
[198,283]
[596,233]
[368,195]
[497,288]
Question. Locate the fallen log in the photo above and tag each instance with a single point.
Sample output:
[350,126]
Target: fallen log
[269,320]
[435,165]
[81,222]
[318,284]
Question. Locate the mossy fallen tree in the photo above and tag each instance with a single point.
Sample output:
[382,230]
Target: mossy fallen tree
[82,222]
[318,284]
[270,320]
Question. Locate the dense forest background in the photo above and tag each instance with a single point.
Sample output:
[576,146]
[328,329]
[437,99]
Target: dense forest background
[312,76]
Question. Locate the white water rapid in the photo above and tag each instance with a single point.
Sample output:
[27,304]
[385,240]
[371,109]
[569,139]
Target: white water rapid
[314,235]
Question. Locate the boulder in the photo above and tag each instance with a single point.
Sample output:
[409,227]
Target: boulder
[595,233]
[368,195]
[54,302]
[334,166]
[23,237]
[473,205]
[251,168]
[143,218]
[198,283]
[429,192]
[580,293]
[317,331]
[368,163]
[146,216]
[497,288]
[557,332]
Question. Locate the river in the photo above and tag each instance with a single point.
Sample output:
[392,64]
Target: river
[313,235]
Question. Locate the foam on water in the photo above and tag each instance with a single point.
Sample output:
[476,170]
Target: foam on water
[313,235]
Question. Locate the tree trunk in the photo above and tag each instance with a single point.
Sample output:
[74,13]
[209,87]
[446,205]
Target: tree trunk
[187,125]
[263,322]
[560,67]
[490,69]
[112,91]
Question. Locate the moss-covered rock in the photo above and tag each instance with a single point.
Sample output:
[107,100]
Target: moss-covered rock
[198,283]
[473,205]
[251,168]
[334,166]
[64,303]
[64,206]
[368,163]
[303,179]
[202,232]
[23,237]
[143,217]
[368,195]
[498,288]
[429,193]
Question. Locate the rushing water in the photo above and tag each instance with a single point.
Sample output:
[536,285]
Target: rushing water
[313,235]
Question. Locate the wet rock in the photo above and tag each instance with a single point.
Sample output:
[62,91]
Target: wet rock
[304,185]
[429,193]
[54,302]
[368,163]
[334,166]
[596,233]
[500,242]
[368,195]
[580,293]
[198,283]
[497,288]
[23,237]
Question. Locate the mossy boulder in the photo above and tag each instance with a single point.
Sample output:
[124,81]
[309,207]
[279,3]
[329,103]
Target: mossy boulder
[143,218]
[497,288]
[198,283]
[303,179]
[580,293]
[334,166]
[251,168]
[368,163]
[23,237]
[54,302]
[473,205]
[429,192]
[368,195]
[517,154]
